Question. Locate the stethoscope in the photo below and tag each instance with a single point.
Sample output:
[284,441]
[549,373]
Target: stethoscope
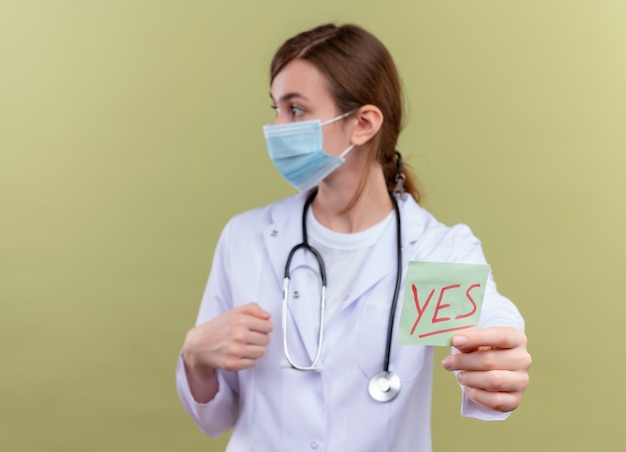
[384,385]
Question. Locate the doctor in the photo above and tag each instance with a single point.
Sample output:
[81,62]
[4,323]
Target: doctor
[338,107]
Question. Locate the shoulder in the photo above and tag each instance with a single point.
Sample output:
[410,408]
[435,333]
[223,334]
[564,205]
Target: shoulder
[431,239]
[259,218]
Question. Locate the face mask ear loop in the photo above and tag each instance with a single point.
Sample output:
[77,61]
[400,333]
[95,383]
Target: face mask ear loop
[338,118]
[344,153]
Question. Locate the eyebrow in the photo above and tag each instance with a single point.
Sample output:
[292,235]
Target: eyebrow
[289,96]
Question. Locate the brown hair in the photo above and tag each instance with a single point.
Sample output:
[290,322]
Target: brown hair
[360,71]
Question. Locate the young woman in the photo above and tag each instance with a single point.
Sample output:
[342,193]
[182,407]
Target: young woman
[333,259]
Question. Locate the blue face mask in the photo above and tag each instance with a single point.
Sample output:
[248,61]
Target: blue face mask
[296,150]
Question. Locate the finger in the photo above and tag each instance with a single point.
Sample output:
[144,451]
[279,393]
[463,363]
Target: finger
[249,330]
[233,365]
[498,337]
[251,351]
[255,338]
[255,310]
[238,356]
[498,401]
[242,322]
[259,325]
[494,380]
[516,359]
[246,363]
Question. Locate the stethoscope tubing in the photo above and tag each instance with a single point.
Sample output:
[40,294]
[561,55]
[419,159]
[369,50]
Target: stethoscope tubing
[389,379]
[320,261]
[396,290]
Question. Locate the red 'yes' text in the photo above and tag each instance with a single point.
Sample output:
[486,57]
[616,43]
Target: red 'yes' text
[441,306]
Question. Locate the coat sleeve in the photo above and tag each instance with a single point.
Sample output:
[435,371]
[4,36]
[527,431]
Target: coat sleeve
[218,415]
[497,310]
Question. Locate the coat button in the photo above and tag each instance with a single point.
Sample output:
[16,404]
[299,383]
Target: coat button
[296,294]
[314,444]
[274,233]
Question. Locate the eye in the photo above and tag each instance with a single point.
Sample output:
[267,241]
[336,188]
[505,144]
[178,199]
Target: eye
[292,111]
[296,111]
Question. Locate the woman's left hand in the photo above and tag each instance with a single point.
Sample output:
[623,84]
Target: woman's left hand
[493,366]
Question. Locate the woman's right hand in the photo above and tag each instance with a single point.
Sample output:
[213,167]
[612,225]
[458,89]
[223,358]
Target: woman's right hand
[233,340]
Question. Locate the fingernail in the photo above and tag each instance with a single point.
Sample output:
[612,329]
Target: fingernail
[459,377]
[446,363]
[459,341]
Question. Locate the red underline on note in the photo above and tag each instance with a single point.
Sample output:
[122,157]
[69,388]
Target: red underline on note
[432,333]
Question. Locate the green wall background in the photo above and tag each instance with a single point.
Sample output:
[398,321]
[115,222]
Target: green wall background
[130,131]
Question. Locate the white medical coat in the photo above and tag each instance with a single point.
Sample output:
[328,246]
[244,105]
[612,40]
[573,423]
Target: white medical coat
[273,408]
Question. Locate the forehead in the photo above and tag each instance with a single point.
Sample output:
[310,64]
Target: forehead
[302,78]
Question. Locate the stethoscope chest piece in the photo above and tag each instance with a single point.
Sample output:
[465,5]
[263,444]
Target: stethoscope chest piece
[384,386]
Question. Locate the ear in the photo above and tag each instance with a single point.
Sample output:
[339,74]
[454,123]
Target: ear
[369,120]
